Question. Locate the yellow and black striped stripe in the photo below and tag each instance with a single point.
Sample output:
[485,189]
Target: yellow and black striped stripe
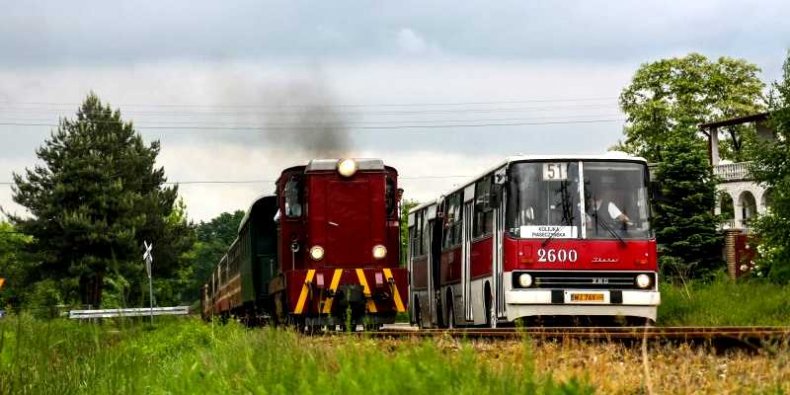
[395,294]
[333,288]
[305,290]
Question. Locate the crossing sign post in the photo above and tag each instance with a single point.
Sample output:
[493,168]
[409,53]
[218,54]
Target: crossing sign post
[149,260]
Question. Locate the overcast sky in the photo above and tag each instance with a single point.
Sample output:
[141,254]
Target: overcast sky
[439,89]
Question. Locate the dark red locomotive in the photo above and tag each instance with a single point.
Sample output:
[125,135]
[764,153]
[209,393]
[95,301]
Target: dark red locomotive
[323,251]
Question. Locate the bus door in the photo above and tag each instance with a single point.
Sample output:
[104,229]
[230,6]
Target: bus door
[434,264]
[499,232]
[466,259]
[466,250]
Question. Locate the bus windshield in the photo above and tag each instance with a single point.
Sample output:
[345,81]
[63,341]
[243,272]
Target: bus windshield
[615,195]
[544,200]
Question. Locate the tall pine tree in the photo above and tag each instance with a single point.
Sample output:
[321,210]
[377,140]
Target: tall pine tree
[94,199]
[689,245]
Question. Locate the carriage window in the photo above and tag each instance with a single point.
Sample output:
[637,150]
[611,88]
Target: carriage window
[293,197]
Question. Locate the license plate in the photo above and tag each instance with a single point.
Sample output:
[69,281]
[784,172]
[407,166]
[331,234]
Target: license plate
[586,297]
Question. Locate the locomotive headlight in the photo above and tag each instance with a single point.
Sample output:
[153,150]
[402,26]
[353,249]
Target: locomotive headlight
[379,251]
[317,253]
[525,280]
[643,281]
[347,167]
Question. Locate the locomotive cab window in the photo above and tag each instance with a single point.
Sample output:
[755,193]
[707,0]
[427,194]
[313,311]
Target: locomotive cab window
[293,197]
[390,194]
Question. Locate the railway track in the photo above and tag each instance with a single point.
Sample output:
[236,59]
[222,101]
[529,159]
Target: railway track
[724,335]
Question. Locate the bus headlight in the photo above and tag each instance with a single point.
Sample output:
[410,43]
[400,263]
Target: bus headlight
[317,253]
[643,281]
[347,167]
[525,280]
[379,252]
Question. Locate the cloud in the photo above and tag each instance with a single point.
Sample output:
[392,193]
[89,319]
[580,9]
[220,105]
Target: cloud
[410,42]
[100,32]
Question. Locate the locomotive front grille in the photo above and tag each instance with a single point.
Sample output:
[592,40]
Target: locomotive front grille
[583,280]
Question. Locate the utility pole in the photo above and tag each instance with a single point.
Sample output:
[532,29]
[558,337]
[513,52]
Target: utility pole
[149,259]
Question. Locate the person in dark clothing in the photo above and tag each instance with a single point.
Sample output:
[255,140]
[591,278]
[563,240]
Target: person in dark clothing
[603,208]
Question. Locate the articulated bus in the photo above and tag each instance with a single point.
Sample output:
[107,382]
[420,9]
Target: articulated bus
[534,238]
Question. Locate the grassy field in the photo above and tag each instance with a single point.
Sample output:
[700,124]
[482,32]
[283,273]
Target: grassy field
[189,356]
[724,302]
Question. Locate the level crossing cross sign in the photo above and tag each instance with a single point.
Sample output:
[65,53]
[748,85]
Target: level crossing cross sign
[148,257]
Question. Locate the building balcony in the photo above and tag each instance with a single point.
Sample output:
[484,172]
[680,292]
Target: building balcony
[728,172]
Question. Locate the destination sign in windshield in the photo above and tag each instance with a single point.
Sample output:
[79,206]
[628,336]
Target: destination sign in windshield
[556,232]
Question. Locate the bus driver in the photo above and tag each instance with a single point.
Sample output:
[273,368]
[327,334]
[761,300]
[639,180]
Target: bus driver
[603,208]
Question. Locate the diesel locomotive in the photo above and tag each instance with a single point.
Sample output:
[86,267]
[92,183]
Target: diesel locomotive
[324,250]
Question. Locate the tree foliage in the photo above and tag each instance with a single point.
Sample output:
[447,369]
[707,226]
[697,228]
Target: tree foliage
[669,98]
[772,169]
[213,240]
[665,103]
[15,264]
[94,198]
[683,218]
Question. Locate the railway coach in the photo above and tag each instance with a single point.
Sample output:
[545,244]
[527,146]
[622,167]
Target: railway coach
[537,237]
[323,250]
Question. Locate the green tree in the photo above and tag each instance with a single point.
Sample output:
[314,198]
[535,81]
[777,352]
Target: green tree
[213,240]
[94,199]
[689,245]
[669,98]
[15,265]
[772,169]
[665,103]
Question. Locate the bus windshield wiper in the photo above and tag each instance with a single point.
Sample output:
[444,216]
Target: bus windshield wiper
[611,231]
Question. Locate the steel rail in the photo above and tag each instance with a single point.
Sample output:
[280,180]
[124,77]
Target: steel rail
[745,334]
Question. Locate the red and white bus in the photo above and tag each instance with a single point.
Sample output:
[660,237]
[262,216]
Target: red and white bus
[537,237]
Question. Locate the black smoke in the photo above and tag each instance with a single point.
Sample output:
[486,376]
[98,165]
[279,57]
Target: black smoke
[303,116]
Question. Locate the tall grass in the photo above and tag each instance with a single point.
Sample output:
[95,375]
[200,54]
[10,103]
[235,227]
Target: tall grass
[724,302]
[188,356]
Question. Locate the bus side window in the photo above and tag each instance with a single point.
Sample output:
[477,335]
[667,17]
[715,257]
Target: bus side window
[484,215]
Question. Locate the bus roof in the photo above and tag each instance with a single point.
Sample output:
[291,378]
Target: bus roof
[608,156]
